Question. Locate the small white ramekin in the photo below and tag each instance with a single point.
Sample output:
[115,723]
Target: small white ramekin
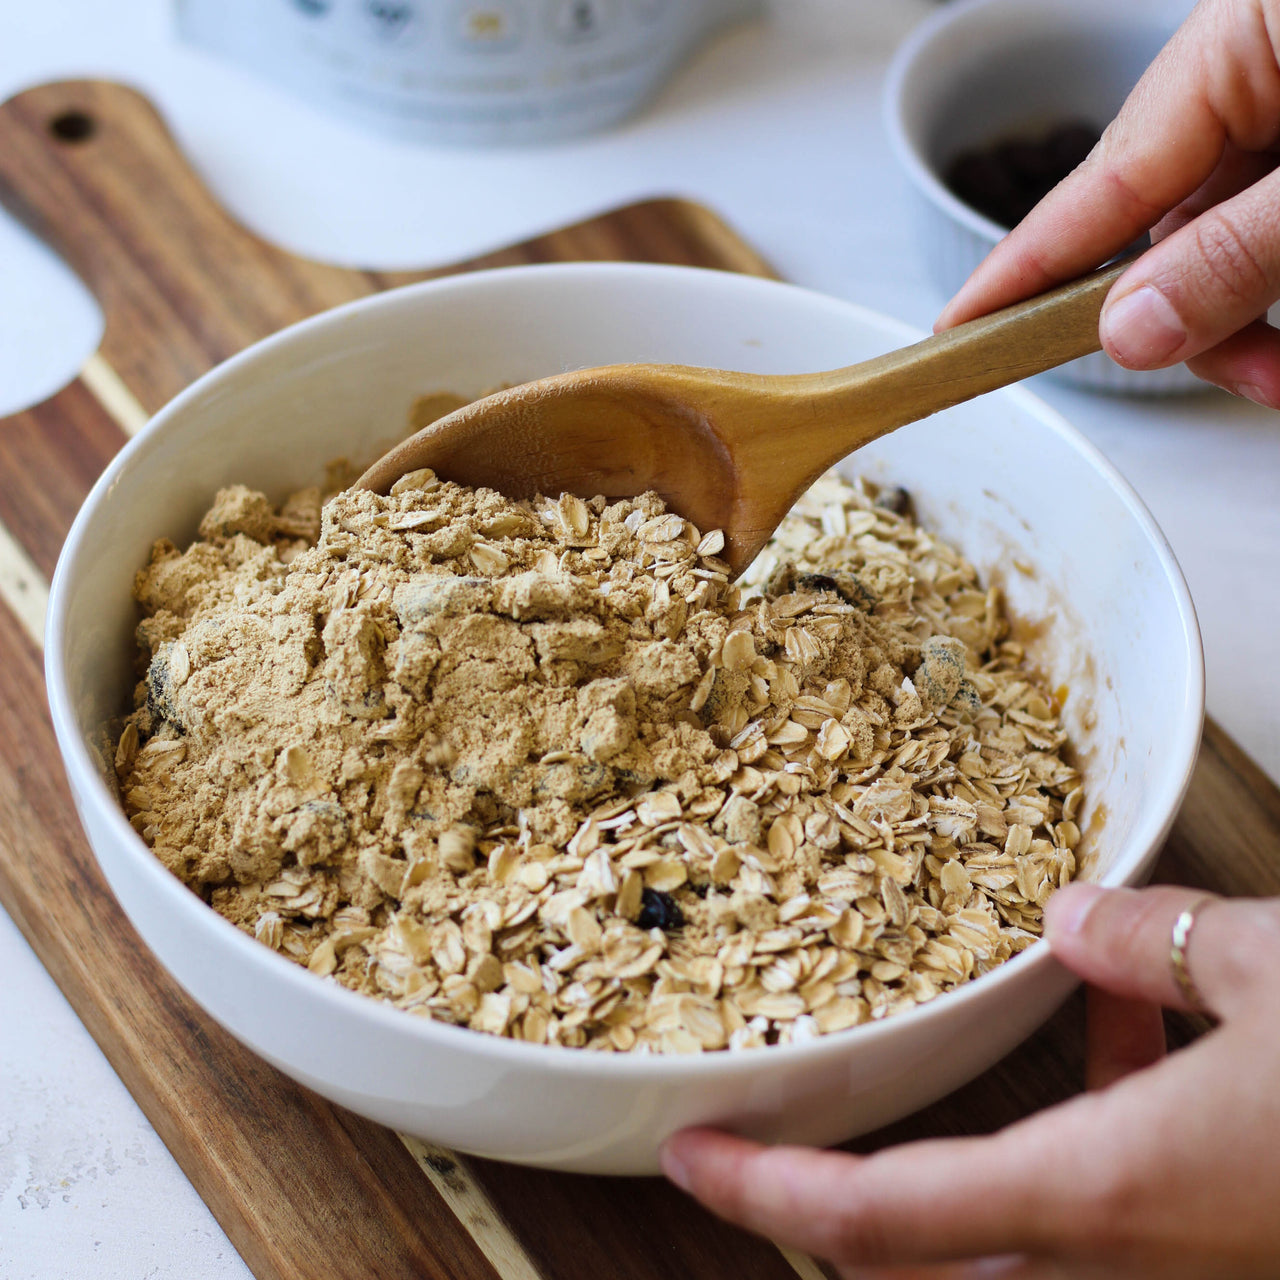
[982,70]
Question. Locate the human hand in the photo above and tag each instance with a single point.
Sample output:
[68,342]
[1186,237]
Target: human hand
[1169,1167]
[1193,158]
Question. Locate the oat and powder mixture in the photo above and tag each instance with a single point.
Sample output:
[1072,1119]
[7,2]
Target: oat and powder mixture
[540,770]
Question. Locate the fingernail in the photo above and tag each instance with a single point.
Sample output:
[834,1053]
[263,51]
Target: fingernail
[1142,328]
[674,1168]
[1256,394]
[1001,1266]
[1069,908]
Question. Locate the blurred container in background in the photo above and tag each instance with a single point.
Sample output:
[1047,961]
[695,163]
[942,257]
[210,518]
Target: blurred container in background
[464,72]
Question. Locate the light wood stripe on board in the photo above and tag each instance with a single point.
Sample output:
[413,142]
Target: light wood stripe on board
[462,1192]
[111,393]
[452,1177]
[803,1265]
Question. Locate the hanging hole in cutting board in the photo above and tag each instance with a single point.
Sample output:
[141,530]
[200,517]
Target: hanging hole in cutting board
[72,126]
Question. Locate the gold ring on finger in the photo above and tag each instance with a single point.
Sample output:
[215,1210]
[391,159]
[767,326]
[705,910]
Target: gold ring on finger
[1180,941]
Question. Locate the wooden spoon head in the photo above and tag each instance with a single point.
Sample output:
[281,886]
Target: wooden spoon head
[733,451]
[617,431]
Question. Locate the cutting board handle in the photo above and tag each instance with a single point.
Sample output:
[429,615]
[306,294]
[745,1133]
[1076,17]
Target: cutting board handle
[93,170]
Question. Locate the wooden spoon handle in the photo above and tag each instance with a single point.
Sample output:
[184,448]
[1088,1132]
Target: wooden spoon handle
[978,356]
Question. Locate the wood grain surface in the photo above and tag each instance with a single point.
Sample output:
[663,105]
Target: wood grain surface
[302,1187]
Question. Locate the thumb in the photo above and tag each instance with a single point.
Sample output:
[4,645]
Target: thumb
[1200,285]
[1122,940]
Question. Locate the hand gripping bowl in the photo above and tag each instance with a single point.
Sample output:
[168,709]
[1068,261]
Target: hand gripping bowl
[1004,477]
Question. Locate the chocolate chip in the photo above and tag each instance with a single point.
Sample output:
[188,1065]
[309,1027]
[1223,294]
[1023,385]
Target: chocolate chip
[855,591]
[1069,144]
[896,499]
[1030,163]
[981,180]
[161,696]
[1008,177]
[658,910]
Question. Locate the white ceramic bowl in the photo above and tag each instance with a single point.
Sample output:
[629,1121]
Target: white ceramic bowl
[1005,477]
[983,70]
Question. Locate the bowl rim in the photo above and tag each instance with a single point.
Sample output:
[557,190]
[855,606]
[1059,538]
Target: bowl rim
[558,1059]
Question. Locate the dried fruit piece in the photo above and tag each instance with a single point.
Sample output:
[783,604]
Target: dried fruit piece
[659,910]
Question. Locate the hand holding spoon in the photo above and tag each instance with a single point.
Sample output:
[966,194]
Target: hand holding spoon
[733,451]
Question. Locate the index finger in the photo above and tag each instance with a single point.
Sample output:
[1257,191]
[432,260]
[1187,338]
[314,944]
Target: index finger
[1216,80]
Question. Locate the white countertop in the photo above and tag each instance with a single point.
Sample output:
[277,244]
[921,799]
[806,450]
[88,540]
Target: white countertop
[776,126]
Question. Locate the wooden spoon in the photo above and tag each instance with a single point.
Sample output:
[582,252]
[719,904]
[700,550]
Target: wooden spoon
[733,451]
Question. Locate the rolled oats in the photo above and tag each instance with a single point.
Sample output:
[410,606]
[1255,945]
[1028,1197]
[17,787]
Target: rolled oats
[539,769]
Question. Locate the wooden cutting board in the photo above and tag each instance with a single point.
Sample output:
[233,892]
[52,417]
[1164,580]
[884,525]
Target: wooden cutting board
[303,1187]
